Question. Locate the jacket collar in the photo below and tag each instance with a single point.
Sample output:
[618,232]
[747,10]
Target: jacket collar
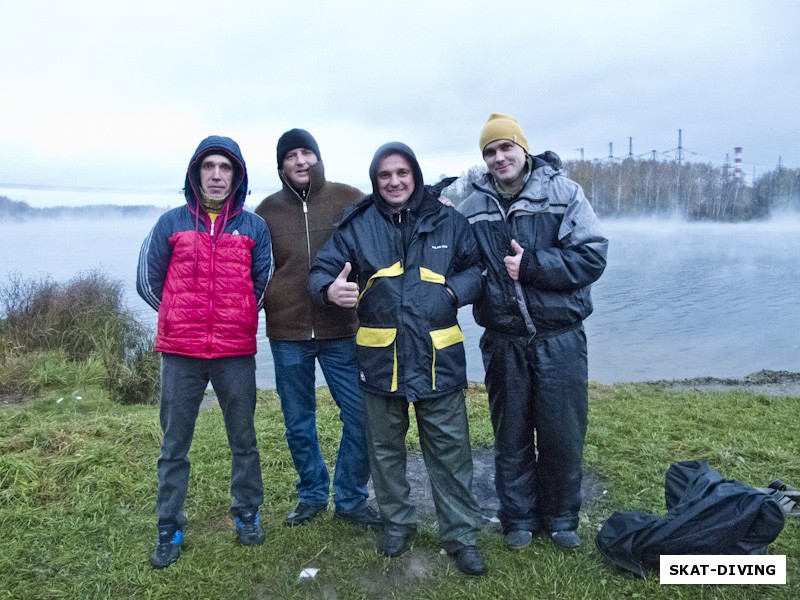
[316,181]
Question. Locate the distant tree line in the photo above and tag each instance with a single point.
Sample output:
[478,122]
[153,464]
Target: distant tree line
[628,188]
[14,209]
[691,190]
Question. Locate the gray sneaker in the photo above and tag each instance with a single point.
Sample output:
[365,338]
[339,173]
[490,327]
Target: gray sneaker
[566,539]
[518,539]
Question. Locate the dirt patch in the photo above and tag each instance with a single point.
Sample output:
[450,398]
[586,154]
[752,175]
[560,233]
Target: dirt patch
[403,575]
[765,383]
[12,399]
[420,564]
[592,489]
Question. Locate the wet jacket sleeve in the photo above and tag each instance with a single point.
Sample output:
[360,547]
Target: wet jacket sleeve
[154,260]
[327,265]
[263,263]
[467,281]
[580,258]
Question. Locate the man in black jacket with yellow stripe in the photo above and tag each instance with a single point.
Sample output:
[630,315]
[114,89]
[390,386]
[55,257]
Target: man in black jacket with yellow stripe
[407,263]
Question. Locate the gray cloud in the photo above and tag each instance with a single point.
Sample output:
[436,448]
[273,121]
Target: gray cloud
[103,92]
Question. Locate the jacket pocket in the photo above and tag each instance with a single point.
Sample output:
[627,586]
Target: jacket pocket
[396,270]
[377,357]
[440,304]
[431,276]
[448,352]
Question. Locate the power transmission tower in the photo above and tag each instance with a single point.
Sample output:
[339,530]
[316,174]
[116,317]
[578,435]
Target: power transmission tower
[680,146]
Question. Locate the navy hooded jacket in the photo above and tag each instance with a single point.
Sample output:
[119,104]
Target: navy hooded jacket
[409,341]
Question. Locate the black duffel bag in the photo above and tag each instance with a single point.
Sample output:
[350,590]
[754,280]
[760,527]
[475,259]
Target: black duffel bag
[706,514]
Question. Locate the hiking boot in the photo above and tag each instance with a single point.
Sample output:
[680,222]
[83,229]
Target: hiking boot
[393,544]
[518,539]
[363,517]
[168,548]
[566,539]
[470,561]
[303,513]
[248,526]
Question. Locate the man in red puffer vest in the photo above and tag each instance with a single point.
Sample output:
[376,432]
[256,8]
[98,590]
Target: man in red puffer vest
[205,267]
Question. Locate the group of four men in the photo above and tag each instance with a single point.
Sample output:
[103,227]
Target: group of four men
[369,286]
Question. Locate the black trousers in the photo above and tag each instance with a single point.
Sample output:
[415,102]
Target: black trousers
[539,400]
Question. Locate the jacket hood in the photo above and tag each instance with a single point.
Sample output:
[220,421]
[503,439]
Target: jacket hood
[225,146]
[419,185]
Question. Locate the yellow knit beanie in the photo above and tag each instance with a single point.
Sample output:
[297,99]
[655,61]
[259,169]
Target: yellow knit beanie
[502,127]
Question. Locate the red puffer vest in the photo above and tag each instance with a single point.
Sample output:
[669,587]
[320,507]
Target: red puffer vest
[208,309]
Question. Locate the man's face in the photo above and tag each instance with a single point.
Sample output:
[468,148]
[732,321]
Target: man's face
[506,161]
[296,166]
[216,175]
[395,180]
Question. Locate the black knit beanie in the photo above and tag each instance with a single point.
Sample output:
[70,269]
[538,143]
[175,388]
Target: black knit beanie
[296,138]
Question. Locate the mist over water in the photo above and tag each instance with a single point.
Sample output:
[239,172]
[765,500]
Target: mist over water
[677,300]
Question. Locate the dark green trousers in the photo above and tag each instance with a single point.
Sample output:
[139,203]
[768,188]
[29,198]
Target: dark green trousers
[444,439]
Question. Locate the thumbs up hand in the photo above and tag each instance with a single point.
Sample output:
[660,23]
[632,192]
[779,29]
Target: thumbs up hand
[342,292]
[512,262]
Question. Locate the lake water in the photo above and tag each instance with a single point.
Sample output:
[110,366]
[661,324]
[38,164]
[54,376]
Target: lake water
[677,300]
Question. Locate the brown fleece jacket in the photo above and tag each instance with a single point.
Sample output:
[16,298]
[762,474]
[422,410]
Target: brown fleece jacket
[296,237]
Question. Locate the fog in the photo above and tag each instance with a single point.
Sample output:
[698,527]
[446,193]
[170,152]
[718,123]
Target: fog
[677,300]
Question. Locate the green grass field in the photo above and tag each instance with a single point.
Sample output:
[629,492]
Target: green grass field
[78,481]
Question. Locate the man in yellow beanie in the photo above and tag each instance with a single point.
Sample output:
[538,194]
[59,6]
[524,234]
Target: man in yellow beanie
[534,300]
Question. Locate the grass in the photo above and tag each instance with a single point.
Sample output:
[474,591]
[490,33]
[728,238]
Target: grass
[75,334]
[77,496]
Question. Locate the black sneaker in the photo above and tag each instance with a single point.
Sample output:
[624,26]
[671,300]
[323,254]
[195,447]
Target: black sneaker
[392,545]
[168,548]
[364,517]
[248,527]
[470,561]
[303,513]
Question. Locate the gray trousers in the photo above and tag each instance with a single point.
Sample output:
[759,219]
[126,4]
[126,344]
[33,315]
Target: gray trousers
[444,439]
[183,382]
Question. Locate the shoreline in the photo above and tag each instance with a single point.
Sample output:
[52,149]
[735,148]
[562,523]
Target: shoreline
[764,382]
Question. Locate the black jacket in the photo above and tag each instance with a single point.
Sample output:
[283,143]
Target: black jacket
[409,340]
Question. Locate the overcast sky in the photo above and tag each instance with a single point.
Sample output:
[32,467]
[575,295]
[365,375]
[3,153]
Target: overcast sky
[117,95]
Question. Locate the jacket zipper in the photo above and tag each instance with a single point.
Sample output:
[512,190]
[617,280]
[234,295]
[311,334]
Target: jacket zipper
[308,248]
[211,280]
[519,292]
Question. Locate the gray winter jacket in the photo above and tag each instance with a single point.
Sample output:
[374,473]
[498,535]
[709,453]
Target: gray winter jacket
[565,252]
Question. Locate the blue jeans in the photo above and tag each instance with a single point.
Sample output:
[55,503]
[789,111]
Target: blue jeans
[294,378]
[183,383]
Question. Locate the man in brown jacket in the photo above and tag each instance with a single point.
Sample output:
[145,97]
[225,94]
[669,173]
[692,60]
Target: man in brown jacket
[300,218]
